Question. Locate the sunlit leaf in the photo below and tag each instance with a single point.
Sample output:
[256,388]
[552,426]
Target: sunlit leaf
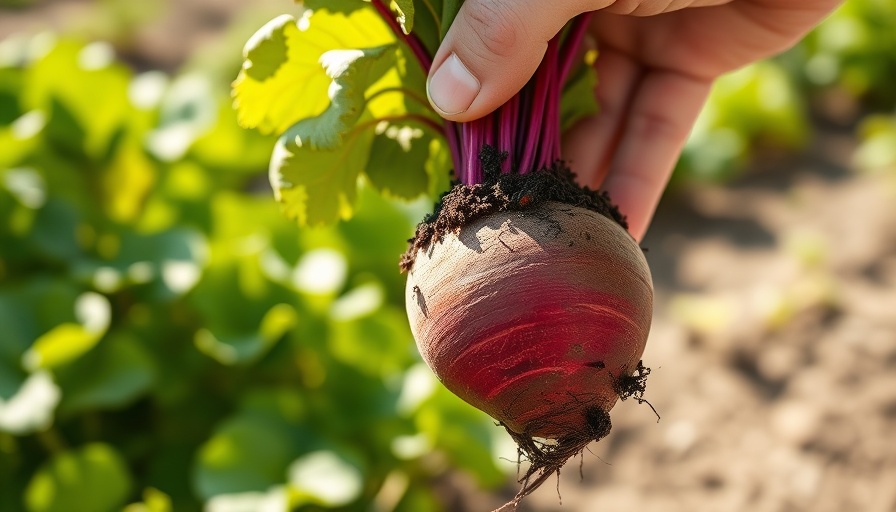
[405,11]
[232,349]
[318,186]
[283,81]
[245,454]
[31,407]
[69,341]
[325,478]
[74,101]
[60,345]
[32,309]
[126,182]
[463,433]
[378,341]
[94,477]
[340,6]
[154,500]
[275,499]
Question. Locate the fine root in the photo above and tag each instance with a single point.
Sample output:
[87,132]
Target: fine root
[546,457]
[634,386]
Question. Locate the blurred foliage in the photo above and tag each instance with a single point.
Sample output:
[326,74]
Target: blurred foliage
[854,50]
[169,341]
[877,153]
[771,104]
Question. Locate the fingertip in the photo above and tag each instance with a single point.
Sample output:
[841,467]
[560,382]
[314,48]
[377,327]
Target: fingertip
[452,87]
[491,50]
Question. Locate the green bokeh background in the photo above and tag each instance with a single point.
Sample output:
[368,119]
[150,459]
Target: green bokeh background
[169,342]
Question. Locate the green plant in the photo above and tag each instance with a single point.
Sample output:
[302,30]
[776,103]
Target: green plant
[168,340]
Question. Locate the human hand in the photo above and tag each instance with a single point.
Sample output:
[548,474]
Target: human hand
[657,61]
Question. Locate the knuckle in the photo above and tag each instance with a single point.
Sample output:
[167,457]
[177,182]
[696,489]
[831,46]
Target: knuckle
[657,126]
[624,7]
[496,27]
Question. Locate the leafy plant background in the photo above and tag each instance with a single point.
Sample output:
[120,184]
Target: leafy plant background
[170,341]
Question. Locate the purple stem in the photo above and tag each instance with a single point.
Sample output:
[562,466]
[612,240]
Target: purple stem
[570,50]
[411,39]
[527,127]
[507,132]
[534,139]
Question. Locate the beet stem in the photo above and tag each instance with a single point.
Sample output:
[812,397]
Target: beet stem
[411,39]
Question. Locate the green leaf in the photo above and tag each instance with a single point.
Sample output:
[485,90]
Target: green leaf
[465,434]
[427,23]
[326,478]
[30,310]
[340,6]
[377,343]
[30,409]
[282,81]
[397,165]
[69,341]
[316,163]
[578,99]
[405,11]
[352,72]
[245,454]
[115,373]
[267,50]
[154,500]
[318,186]
[73,101]
[242,349]
[64,131]
[450,8]
[60,345]
[439,167]
[94,478]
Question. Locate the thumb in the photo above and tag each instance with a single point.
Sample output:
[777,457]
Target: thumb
[491,50]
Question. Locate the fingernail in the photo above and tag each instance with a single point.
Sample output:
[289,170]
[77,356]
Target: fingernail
[452,88]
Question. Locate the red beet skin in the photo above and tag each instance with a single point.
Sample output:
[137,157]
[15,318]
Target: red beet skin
[530,316]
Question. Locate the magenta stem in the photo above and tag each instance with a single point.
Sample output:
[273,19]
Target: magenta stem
[570,49]
[411,40]
[527,127]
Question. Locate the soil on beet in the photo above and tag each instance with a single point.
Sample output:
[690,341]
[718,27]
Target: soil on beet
[504,192]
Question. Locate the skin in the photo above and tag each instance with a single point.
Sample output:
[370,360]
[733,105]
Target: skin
[658,60]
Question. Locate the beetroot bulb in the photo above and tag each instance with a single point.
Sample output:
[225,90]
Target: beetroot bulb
[535,311]
[532,316]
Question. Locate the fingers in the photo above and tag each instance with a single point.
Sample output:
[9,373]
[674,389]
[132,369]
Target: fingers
[492,49]
[657,125]
[589,145]
[654,7]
